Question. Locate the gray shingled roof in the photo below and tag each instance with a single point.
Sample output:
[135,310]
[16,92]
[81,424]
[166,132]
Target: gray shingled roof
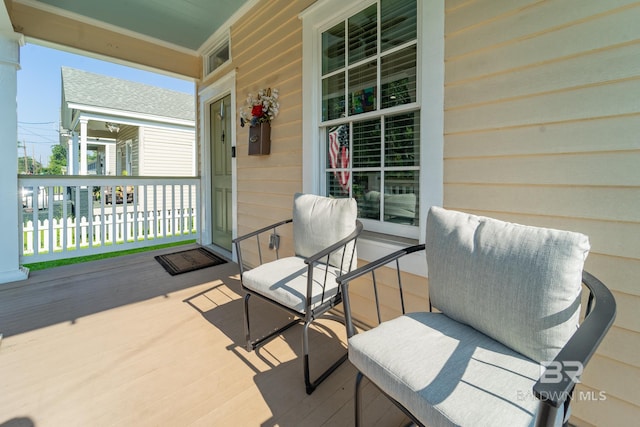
[82,87]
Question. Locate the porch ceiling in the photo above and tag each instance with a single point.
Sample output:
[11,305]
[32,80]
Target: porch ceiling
[185,23]
[163,34]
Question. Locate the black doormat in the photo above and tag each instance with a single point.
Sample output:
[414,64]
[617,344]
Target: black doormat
[189,260]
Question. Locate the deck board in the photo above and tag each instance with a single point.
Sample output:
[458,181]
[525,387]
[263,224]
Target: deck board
[121,342]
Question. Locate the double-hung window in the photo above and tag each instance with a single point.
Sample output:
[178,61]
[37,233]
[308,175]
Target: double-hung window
[370,114]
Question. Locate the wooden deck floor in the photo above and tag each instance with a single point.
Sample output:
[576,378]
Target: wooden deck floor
[120,342]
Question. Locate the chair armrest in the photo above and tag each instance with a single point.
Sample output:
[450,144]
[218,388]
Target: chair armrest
[575,355]
[344,280]
[326,252]
[337,245]
[255,234]
[262,230]
[367,268]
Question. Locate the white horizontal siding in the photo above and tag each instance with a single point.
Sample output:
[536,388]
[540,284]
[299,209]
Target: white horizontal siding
[167,152]
[542,117]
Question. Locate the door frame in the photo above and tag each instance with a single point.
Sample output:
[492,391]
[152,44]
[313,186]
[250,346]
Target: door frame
[217,90]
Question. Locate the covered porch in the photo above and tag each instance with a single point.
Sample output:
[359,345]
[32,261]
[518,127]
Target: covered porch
[88,345]
[528,113]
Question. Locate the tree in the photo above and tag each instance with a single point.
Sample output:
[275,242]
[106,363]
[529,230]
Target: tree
[28,166]
[57,161]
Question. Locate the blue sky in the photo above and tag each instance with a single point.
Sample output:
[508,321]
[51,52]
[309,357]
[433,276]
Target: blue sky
[39,94]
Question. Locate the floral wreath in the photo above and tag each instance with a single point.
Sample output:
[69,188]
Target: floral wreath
[260,109]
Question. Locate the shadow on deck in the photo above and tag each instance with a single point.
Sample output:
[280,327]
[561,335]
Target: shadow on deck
[121,342]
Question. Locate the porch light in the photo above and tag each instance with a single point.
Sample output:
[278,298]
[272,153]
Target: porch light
[112,127]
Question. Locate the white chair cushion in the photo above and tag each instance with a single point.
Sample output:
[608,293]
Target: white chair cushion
[446,373]
[319,222]
[518,284]
[285,281]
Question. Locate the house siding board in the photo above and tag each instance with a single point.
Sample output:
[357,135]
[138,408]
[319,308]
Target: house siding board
[594,135]
[575,38]
[539,17]
[127,133]
[266,184]
[168,152]
[541,125]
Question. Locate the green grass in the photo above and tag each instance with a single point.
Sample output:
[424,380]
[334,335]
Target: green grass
[68,261]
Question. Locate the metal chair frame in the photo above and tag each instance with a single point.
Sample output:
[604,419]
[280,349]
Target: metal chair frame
[580,347]
[309,314]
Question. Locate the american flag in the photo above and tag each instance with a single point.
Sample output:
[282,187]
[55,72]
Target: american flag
[339,155]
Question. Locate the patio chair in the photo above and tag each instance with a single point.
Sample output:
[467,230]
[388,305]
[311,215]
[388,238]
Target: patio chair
[508,298]
[325,231]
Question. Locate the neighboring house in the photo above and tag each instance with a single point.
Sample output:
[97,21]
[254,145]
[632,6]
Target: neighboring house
[522,110]
[135,129]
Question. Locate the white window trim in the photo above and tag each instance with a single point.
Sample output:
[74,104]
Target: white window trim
[319,16]
[225,38]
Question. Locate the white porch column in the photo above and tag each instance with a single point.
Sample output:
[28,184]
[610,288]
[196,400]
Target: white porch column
[10,42]
[74,153]
[70,149]
[107,158]
[83,146]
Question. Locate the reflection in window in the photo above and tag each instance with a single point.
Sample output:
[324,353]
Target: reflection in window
[366,191]
[217,58]
[398,22]
[366,144]
[333,97]
[401,190]
[402,140]
[363,35]
[371,154]
[398,74]
[333,48]
[362,89]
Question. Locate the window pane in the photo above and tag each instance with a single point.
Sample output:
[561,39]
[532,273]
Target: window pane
[333,46]
[362,88]
[401,190]
[333,97]
[366,191]
[338,184]
[402,140]
[218,57]
[363,34]
[398,22]
[338,147]
[398,77]
[366,144]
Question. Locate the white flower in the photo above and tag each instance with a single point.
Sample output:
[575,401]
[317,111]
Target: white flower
[268,100]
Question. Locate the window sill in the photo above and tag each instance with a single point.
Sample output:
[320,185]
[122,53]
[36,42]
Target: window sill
[372,246]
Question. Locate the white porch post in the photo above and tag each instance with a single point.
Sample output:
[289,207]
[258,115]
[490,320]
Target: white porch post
[70,148]
[10,42]
[83,146]
[74,153]
[107,158]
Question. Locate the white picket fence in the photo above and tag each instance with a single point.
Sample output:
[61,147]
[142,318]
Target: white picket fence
[109,229]
[76,219]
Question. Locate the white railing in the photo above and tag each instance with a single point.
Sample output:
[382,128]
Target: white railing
[70,216]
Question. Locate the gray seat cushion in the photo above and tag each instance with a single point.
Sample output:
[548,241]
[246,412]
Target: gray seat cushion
[518,284]
[285,281]
[447,373]
[319,222]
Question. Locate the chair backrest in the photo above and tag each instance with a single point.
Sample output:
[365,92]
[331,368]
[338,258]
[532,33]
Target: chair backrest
[319,222]
[518,284]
